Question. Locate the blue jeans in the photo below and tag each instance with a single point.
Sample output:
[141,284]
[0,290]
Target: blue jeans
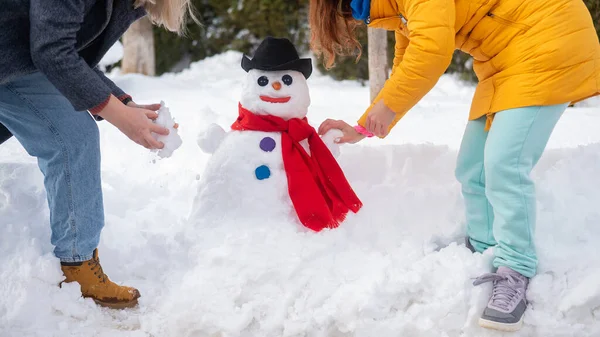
[494,169]
[66,144]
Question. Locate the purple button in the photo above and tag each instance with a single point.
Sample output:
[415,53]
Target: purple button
[267,144]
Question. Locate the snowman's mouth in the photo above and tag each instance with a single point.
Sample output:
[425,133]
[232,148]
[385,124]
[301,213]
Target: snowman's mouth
[275,99]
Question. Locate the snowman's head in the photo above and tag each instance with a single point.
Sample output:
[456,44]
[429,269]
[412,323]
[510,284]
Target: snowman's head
[278,93]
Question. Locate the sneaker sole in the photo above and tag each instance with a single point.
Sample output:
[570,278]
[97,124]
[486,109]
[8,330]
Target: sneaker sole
[506,327]
[119,305]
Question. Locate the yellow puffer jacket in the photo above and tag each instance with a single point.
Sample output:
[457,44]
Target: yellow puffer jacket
[535,52]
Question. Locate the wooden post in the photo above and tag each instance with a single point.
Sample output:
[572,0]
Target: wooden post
[138,49]
[378,63]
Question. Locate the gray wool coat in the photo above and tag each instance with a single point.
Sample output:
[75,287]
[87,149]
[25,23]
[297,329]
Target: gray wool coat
[65,40]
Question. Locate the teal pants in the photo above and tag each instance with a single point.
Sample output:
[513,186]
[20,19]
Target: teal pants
[494,170]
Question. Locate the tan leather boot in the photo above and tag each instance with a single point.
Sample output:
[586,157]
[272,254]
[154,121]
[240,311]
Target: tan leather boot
[96,285]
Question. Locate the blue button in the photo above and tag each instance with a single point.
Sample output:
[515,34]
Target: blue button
[262,172]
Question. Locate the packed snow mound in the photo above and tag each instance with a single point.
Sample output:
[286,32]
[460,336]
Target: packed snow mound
[397,268]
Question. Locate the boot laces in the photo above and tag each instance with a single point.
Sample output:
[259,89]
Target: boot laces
[506,289]
[97,269]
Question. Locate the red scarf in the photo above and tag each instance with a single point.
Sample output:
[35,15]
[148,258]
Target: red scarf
[317,186]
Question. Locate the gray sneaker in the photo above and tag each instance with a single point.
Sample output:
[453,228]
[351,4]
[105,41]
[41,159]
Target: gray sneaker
[507,304]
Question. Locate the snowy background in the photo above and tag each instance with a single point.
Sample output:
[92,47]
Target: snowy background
[398,268]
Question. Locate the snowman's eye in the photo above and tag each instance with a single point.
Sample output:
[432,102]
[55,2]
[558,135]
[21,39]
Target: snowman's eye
[263,81]
[287,79]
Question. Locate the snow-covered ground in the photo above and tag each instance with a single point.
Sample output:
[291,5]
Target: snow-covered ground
[114,55]
[397,268]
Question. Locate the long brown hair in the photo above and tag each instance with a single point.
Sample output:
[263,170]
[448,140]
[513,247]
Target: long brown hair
[332,30]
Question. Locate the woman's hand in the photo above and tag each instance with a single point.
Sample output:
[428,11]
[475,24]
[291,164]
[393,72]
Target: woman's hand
[350,134]
[379,119]
[150,114]
[135,123]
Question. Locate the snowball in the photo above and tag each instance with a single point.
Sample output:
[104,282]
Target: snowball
[329,140]
[210,139]
[172,141]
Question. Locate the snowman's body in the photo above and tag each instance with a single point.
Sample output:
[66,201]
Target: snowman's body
[230,188]
[245,178]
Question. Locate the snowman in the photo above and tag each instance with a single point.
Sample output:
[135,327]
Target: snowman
[272,165]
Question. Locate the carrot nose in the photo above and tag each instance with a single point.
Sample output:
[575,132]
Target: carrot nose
[276,85]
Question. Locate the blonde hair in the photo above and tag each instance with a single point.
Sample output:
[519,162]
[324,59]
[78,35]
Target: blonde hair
[171,14]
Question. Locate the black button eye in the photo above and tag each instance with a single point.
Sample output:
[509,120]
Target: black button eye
[287,79]
[263,81]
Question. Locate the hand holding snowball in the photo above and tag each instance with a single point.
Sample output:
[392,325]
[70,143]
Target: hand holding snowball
[134,122]
[349,134]
[171,141]
[152,113]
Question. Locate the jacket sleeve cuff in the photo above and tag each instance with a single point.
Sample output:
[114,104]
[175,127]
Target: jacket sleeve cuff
[363,131]
[125,99]
[362,121]
[96,110]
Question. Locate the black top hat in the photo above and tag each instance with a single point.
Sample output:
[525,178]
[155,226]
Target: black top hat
[277,54]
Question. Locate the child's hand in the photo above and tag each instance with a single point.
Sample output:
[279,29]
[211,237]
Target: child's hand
[350,134]
[379,119]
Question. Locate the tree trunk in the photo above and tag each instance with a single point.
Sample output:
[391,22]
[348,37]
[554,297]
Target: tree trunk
[378,63]
[138,49]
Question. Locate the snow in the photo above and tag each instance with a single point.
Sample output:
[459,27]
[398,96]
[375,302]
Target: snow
[240,165]
[172,141]
[230,191]
[397,268]
[330,138]
[114,55]
[211,137]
